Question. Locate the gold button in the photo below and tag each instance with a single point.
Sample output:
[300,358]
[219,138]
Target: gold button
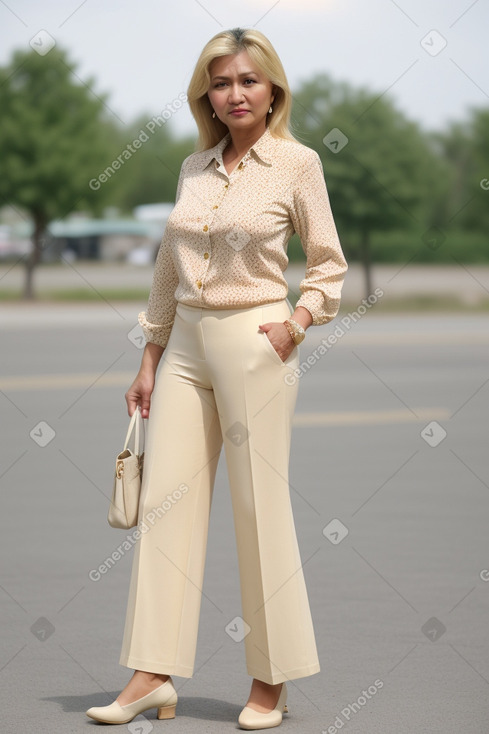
[206,255]
[215,206]
[241,165]
[226,185]
[199,284]
[205,228]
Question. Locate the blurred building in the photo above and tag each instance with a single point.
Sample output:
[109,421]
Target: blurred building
[79,237]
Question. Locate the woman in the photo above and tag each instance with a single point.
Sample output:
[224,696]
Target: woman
[218,310]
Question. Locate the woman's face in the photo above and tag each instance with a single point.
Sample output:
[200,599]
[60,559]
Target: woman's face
[236,83]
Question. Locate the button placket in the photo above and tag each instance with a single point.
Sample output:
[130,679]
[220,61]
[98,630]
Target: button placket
[205,256]
[207,246]
[207,225]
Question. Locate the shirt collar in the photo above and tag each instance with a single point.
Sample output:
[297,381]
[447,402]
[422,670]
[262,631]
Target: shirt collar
[262,149]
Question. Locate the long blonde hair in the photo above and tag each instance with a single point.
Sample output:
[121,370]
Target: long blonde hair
[261,51]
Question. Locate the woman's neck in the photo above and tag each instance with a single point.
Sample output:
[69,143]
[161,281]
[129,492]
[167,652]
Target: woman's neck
[242,140]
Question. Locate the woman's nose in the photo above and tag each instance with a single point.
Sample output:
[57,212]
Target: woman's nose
[235,94]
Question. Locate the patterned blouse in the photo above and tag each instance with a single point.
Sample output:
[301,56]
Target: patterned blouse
[225,241]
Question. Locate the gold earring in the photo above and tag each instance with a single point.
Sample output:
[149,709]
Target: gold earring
[270,110]
[214,114]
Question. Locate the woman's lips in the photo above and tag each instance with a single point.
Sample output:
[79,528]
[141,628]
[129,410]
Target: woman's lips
[238,113]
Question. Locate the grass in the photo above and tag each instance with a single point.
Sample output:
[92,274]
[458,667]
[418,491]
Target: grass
[419,303]
[416,304]
[426,303]
[81,295]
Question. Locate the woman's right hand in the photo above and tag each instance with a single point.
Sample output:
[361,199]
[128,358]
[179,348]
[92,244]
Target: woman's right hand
[140,393]
[141,389]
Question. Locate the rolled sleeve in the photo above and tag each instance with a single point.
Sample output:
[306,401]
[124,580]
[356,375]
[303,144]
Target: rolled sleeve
[157,320]
[325,262]
[155,333]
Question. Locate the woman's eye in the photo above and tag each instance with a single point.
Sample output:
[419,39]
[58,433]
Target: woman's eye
[221,83]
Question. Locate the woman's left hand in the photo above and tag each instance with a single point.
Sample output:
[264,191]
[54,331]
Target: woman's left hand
[279,337]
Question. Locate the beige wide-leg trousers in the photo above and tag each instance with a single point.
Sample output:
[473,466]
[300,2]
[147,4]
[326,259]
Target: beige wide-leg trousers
[220,381]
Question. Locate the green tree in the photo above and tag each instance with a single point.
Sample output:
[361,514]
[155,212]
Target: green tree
[54,134]
[382,171]
[466,145]
[152,174]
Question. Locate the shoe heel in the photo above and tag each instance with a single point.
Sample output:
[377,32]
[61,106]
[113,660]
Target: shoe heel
[166,712]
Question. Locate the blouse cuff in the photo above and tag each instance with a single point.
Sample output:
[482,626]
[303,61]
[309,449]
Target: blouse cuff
[323,310]
[155,333]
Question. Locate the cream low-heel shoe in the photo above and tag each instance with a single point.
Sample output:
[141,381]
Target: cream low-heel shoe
[164,698]
[251,719]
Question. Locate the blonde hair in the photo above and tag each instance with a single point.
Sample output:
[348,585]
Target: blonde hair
[261,51]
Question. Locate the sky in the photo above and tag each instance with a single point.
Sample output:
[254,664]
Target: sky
[428,56]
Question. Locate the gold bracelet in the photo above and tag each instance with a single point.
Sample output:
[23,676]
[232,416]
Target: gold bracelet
[289,329]
[296,331]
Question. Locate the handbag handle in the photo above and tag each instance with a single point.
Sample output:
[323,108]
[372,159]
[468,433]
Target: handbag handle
[136,421]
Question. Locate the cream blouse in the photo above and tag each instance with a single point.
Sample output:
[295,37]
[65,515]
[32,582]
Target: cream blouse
[225,241]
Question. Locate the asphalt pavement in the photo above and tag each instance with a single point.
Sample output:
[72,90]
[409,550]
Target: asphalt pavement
[390,489]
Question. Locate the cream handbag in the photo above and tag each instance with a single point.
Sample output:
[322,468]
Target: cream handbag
[123,510]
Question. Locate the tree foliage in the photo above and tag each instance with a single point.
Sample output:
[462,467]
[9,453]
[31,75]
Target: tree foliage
[54,133]
[466,146]
[152,174]
[397,192]
[383,173]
